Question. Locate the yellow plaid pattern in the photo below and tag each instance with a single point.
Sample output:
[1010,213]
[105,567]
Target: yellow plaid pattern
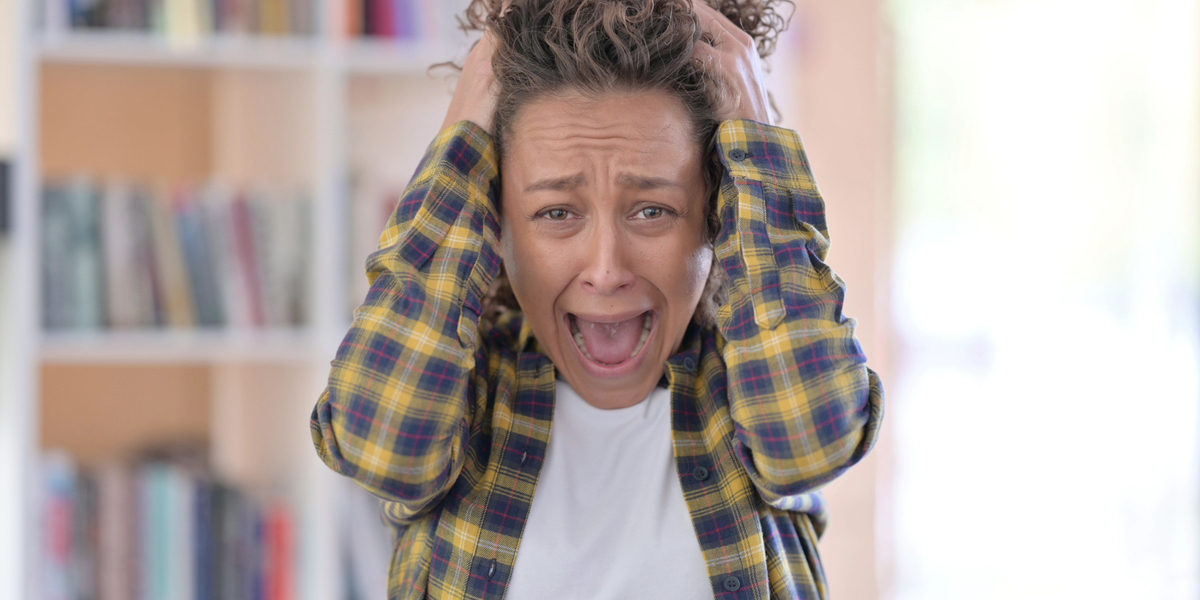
[450,424]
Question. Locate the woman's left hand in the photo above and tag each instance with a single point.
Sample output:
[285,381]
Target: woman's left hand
[734,59]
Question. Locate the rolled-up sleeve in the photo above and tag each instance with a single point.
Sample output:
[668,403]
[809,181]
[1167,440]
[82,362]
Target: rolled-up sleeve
[397,408]
[804,404]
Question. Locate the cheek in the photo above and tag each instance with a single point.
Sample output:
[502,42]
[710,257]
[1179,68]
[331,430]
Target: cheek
[531,269]
[699,266]
[689,274]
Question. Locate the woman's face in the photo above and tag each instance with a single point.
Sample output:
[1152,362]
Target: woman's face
[603,236]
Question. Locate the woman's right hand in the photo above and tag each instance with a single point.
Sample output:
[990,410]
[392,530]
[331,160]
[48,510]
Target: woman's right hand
[732,56]
[475,97]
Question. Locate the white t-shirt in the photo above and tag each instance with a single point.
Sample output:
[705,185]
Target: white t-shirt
[608,519]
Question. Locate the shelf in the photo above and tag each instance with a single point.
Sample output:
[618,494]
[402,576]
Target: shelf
[394,57]
[285,345]
[144,49]
[364,56]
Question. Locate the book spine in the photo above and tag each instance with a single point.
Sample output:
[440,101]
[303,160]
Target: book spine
[175,288]
[85,257]
[115,510]
[119,257]
[152,525]
[56,293]
[58,494]
[354,19]
[160,530]
[83,568]
[280,554]
[406,26]
[244,234]
[151,305]
[181,536]
[198,258]
[204,548]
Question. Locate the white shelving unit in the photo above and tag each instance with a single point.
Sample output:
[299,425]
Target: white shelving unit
[348,107]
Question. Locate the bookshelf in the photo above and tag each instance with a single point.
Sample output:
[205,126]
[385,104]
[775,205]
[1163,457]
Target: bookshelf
[329,114]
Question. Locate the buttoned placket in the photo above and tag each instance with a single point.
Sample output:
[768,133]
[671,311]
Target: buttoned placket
[681,373]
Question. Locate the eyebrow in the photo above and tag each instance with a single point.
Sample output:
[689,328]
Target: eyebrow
[560,184]
[645,183]
[570,182]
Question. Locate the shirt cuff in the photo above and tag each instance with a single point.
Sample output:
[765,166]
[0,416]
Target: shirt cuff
[767,154]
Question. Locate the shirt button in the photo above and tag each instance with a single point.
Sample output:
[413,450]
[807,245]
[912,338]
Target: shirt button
[737,154]
[700,473]
[732,584]
[492,571]
[524,455]
[689,365]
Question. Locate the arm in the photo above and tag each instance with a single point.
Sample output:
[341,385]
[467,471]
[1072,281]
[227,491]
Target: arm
[805,406]
[398,406]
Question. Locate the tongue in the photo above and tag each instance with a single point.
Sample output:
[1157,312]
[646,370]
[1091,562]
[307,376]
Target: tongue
[611,343]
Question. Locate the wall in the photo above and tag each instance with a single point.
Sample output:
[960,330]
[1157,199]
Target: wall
[8,76]
[832,79]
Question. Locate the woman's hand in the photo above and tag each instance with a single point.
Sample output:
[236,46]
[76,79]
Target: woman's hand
[733,58]
[475,97]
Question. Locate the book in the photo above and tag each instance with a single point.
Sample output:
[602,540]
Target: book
[173,285]
[84,577]
[147,281]
[130,297]
[161,528]
[246,236]
[185,23]
[354,18]
[73,295]
[198,257]
[57,527]
[124,255]
[273,17]
[86,255]
[115,513]
[229,271]
[57,299]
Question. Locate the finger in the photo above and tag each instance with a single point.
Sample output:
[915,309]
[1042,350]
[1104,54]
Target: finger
[717,24]
[711,18]
[706,53]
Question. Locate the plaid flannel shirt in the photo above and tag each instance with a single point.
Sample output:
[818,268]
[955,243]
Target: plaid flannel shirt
[450,424]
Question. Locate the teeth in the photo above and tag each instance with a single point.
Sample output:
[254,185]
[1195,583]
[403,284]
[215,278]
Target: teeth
[647,325]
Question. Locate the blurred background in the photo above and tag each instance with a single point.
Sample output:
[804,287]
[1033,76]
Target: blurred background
[188,189]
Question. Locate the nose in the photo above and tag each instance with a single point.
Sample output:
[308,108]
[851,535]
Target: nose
[606,269]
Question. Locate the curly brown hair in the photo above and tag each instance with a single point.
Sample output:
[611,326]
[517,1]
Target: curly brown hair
[595,47]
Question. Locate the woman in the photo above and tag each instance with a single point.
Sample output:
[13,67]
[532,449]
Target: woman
[645,399]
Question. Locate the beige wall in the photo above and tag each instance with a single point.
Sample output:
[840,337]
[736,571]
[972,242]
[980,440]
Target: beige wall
[105,411]
[146,124]
[834,88]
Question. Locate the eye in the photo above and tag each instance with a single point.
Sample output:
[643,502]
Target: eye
[556,214]
[651,212]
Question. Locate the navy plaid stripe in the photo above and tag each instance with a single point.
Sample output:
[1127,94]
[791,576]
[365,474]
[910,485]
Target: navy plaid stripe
[451,425]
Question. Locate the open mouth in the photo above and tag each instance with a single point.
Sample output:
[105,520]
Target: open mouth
[611,343]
